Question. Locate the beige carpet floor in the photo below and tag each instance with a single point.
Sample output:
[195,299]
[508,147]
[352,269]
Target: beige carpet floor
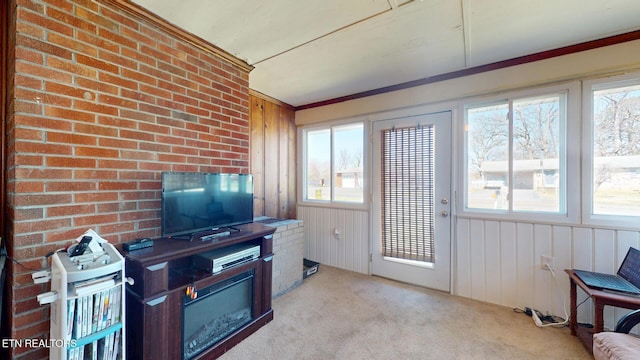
[338,314]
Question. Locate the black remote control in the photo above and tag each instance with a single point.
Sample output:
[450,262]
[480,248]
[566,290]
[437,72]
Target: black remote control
[137,244]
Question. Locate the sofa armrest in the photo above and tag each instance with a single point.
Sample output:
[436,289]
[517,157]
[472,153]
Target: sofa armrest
[627,322]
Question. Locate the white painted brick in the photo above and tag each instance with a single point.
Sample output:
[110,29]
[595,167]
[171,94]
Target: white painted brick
[288,248]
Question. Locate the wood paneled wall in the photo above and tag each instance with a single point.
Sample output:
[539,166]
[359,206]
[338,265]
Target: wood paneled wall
[273,156]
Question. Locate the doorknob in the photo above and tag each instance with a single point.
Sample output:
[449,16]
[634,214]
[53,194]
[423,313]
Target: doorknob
[444,213]
[444,201]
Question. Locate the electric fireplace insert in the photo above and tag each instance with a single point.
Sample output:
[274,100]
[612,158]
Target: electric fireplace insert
[217,311]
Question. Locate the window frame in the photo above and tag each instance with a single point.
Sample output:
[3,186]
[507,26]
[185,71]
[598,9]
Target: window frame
[569,149]
[589,87]
[302,149]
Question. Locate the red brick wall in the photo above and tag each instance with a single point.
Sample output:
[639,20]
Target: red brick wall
[103,103]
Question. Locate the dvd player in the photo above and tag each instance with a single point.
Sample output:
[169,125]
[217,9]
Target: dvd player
[217,260]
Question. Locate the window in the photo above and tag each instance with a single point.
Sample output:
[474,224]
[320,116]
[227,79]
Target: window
[614,150]
[318,165]
[334,164]
[515,155]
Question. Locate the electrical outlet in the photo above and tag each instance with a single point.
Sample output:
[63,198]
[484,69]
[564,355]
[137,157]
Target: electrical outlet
[544,260]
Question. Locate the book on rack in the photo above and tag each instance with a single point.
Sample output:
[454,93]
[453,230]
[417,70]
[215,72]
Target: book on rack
[112,340]
[101,347]
[87,287]
[71,307]
[101,311]
[92,313]
[77,328]
[74,353]
[96,311]
[89,317]
[105,313]
[110,307]
[107,346]
[85,317]
[114,306]
[91,350]
[117,305]
[116,345]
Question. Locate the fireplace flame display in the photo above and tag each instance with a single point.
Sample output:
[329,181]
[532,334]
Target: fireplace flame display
[224,308]
[214,331]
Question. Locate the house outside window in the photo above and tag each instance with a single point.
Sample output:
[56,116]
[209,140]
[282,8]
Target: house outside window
[516,154]
[333,164]
[612,150]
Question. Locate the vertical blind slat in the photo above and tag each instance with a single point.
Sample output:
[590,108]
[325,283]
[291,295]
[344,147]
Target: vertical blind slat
[408,193]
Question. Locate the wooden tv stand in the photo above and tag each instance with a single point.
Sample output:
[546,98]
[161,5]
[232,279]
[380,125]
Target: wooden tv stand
[162,274]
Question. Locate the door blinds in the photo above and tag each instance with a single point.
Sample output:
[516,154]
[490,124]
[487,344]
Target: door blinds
[408,193]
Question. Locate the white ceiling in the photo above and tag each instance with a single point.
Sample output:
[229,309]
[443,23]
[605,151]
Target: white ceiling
[306,51]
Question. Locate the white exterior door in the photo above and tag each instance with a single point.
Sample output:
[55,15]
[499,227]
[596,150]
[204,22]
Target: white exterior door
[411,231]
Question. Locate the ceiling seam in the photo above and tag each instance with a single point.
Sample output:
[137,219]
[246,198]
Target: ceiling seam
[322,36]
[391,8]
[466,31]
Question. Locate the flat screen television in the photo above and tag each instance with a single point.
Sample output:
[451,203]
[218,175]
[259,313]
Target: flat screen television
[198,202]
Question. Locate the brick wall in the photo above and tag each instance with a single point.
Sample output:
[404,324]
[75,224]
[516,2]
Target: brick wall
[103,103]
[288,254]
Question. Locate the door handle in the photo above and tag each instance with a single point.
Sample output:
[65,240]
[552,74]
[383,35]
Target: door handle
[444,213]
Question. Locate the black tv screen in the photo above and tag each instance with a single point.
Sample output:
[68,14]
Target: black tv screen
[197,202]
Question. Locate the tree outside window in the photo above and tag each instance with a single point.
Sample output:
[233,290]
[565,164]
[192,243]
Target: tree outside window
[514,155]
[616,150]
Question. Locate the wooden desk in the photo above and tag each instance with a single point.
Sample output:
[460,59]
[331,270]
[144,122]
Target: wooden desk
[600,299]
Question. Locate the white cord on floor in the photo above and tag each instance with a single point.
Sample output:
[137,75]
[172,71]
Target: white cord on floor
[564,303]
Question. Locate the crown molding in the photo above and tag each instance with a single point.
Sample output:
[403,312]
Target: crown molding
[262,96]
[571,49]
